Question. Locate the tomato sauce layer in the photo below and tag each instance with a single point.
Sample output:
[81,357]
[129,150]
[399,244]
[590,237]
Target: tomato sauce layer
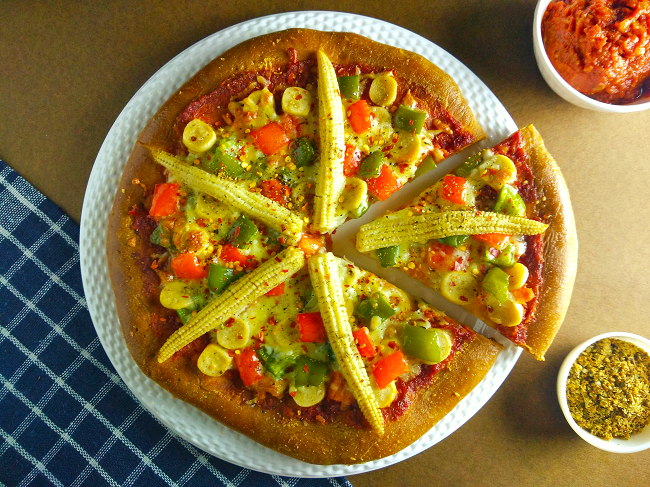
[600,47]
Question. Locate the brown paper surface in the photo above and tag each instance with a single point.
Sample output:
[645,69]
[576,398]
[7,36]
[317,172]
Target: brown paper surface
[68,69]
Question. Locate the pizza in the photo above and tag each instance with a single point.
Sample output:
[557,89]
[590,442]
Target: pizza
[218,246]
[496,236]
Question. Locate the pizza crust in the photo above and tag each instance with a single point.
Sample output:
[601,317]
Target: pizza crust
[310,442]
[560,245]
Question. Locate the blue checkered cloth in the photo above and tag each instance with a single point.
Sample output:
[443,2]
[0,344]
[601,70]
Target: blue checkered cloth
[66,417]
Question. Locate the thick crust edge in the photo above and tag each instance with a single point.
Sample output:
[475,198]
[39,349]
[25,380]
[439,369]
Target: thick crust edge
[337,442]
[560,245]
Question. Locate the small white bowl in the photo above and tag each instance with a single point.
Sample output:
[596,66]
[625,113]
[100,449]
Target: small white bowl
[559,85]
[638,441]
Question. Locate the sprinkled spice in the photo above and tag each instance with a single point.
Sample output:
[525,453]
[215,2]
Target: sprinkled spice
[608,389]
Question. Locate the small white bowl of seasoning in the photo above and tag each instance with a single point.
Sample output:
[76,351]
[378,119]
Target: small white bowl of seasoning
[638,441]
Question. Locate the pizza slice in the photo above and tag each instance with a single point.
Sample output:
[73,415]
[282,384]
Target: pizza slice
[496,236]
[342,367]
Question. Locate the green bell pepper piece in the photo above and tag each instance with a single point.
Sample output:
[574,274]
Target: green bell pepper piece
[471,163]
[509,202]
[496,283]
[220,277]
[506,257]
[198,303]
[349,86]
[425,166]
[427,344]
[360,210]
[371,165]
[275,363]
[309,371]
[454,240]
[229,164]
[409,120]
[375,305]
[302,152]
[310,303]
[162,236]
[242,231]
[388,256]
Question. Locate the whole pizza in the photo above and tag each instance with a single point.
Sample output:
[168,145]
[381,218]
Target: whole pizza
[219,245]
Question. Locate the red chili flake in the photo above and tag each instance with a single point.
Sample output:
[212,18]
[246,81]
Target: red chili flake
[392,345]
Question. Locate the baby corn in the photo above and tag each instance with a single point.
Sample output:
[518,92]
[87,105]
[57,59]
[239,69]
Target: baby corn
[330,180]
[328,290]
[238,195]
[388,230]
[235,298]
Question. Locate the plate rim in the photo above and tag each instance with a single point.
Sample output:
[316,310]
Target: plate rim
[91,235]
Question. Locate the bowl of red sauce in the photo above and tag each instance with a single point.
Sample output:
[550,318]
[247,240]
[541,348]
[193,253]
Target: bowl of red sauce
[595,53]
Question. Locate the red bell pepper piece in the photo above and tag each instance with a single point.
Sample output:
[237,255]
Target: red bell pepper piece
[249,366]
[270,138]
[453,189]
[359,116]
[232,254]
[165,200]
[275,190]
[290,125]
[364,342]
[311,327]
[385,184]
[276,291]
[188,266]
[493,239]
[443,257]
[351,161]
[389,368]
[311,244]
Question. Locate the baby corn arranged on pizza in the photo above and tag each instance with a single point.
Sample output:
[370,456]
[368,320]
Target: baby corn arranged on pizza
[221,254]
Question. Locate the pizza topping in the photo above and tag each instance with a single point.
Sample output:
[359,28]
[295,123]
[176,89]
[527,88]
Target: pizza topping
[214,360]
[311,327]
[507,313]
[509,202]
[329,292]
[395,228]
[307,396]
[165,200]
[302,152]
[234,334]
[431,345]
[459,287]
[188,266]
[388,255]
[389,368]
[235,299]
[364,342]
[359,117]
[349,86]
[518,276]
[270,138]
[249,366]
[237,195]
[454,189]
[198,136]
[409,119]
[330,180]
[219,278]
[296,101]
[383,90]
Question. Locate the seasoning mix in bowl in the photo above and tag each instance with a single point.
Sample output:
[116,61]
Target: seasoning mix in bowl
[604,391]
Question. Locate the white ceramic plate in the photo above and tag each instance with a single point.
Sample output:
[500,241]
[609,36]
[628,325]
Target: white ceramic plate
[185,420]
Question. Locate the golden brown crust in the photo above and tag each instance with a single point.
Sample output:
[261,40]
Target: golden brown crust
[312,442]
[560,245]
[336,442]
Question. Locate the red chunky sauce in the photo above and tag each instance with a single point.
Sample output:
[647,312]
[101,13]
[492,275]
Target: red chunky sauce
[533,259]
[600,47]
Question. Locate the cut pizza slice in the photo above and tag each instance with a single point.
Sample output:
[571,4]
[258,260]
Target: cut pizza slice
[496,236]
[341,367]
